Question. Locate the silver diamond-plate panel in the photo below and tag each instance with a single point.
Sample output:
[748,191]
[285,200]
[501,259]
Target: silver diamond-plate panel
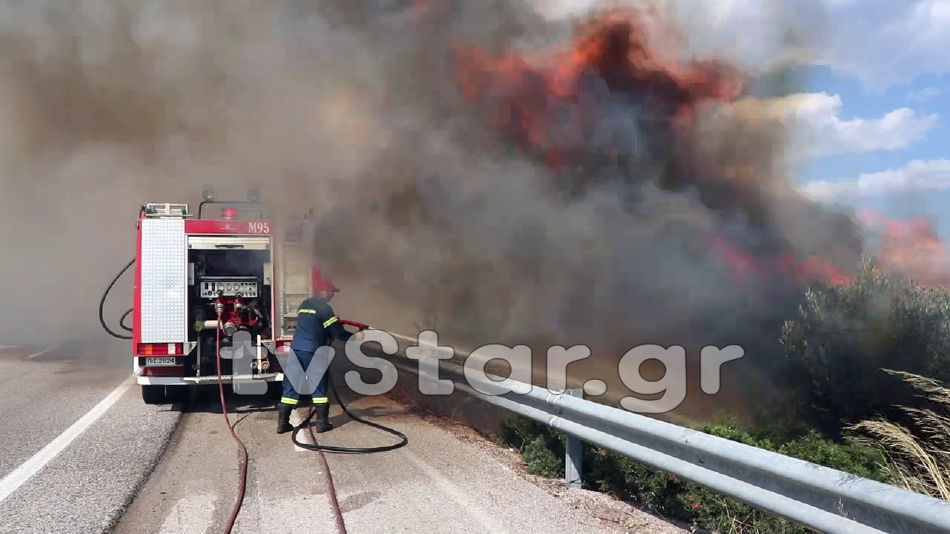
[164,281]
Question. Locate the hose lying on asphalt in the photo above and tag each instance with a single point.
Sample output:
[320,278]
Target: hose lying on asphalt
[224,411]
[242,487]
[315,446]
[331,489]
[403,440]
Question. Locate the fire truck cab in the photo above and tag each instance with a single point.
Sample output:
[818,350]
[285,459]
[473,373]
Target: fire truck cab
[222,282]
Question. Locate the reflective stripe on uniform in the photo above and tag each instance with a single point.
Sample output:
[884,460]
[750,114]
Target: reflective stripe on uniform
[306,310]
[289,400]
[320,400]
[330,321]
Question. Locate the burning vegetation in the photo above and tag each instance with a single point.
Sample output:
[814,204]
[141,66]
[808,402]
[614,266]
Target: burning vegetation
[911,247]
[615,105]
[551,104]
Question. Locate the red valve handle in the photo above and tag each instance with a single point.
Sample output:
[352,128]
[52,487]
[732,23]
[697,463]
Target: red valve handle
[359,326]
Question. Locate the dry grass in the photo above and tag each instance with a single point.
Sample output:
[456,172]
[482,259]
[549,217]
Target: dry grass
[918,453]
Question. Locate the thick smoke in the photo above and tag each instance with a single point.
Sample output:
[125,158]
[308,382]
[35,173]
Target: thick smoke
[427,202]
[513,206]
[108,105]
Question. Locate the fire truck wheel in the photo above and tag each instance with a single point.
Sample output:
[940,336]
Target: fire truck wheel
[153,394]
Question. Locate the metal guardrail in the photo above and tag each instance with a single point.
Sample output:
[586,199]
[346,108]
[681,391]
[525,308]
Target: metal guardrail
[818,497]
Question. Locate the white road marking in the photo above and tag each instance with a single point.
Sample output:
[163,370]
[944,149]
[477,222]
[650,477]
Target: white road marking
[40,353]
[38,461]
[9,347]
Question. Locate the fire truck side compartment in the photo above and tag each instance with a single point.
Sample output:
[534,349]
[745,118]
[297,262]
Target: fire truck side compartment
[164,278]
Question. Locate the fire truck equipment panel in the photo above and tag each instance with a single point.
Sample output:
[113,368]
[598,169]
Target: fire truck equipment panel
[228,287]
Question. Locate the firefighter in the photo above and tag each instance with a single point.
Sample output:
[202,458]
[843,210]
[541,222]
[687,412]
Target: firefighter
[317,326]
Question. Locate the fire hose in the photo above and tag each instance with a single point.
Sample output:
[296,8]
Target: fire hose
[242,487]
[102,304]
[321,449]
[403,440]
[315,446]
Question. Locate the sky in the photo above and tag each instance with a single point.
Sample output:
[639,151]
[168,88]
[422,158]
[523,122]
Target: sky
[881,109]
[870,113]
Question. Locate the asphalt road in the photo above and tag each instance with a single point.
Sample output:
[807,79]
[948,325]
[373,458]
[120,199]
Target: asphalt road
[443,481]
[77,439]
[85,454]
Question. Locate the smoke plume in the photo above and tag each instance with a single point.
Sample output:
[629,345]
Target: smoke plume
[486,170]
[583,184]
[108,105]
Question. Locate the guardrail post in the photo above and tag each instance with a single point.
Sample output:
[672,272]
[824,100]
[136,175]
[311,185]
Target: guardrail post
[573,466]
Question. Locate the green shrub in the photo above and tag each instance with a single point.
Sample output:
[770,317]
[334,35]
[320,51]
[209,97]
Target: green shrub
[540,460]
[542,449]
[843,336]
[852,458]
[675,498]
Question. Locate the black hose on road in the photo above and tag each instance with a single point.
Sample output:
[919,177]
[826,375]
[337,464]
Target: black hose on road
[403,440]
[321,449]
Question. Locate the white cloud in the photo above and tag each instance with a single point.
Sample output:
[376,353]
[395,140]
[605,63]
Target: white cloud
[884,43]
[817,128]
[918,175]
[925,95]
[888,43]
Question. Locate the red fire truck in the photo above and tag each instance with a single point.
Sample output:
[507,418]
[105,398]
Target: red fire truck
[222,281]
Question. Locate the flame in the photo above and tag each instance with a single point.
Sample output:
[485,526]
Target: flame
[810,269]
[544,101]
[911,248]
[540,98]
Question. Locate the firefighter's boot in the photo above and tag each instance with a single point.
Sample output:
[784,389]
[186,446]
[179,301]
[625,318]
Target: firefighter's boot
[323,418]
[283,418]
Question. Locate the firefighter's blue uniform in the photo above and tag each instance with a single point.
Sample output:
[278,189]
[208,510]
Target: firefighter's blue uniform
[317,326]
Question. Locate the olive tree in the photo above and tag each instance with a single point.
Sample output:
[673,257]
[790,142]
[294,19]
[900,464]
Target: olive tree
[843,336]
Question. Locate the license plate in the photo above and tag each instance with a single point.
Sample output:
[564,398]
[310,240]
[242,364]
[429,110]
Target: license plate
[160,361]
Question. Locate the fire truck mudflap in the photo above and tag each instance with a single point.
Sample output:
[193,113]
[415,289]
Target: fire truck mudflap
[209,284]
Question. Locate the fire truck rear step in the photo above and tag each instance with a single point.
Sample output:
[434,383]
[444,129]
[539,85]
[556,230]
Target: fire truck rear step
[213,379]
